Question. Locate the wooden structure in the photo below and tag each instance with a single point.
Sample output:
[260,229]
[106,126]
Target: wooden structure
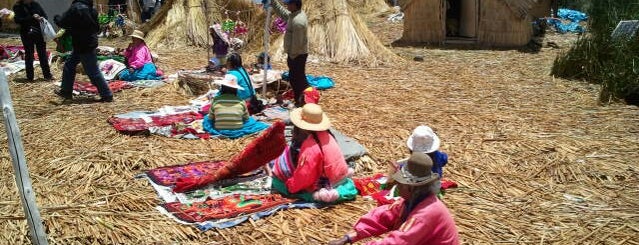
[23,181]
[488,23]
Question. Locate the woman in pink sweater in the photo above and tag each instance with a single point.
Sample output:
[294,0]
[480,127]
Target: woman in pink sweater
[418,218]
[313,168]
[139,61]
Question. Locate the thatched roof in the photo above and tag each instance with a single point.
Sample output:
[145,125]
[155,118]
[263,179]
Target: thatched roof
[521,8]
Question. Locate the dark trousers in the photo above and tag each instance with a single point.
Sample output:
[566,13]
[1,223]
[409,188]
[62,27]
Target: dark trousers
[90,64]
[30,46]
[297,76]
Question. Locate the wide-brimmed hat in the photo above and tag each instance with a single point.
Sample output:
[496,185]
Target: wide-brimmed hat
[417,171]
[229,81]
[423,140]
[138,34]
[311,117]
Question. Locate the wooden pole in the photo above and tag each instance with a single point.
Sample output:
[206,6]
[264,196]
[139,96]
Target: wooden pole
[16,149]
[267,40]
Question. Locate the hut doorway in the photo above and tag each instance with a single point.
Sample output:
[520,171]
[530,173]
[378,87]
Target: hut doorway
[461,19]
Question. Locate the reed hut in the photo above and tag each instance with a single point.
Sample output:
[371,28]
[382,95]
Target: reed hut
[488,23]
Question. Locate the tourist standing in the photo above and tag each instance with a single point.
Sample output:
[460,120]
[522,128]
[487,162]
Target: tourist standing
[29,14]
[295,45]
[81,20]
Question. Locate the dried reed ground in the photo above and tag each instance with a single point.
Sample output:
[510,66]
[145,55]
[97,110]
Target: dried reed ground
[538,161]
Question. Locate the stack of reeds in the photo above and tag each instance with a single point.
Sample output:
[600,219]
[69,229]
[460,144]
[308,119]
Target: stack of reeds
[336,31]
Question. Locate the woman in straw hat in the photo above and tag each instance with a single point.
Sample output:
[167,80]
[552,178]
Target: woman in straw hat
[228,111]
[312,167]
[418,218]
[139,60]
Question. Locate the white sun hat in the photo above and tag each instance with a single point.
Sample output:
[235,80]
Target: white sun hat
[423,140]
[229,81]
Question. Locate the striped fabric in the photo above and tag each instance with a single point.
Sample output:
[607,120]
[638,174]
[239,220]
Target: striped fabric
[285,168]
[229,112]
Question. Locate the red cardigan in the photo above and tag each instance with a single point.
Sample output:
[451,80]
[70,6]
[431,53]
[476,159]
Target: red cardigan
[314,163]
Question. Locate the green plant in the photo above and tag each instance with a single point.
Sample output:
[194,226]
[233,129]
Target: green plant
[598,58]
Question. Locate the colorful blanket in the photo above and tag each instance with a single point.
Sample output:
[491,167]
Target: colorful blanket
[90,89]
[143,124]
[167,176]
[223,204]
[225,207]
[251,127]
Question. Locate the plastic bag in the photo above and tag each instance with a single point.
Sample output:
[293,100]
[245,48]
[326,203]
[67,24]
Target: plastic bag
[48,33]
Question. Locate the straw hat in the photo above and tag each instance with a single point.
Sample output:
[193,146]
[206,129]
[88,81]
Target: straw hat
[423,140]
[138,34]
[417,171]
[229,81]
[311,118]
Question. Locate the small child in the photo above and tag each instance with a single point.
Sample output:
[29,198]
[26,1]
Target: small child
[259,65]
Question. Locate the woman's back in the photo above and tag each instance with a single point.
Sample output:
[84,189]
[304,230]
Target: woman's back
[228,112]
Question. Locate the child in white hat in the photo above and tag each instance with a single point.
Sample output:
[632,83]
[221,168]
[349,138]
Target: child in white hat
[425,140]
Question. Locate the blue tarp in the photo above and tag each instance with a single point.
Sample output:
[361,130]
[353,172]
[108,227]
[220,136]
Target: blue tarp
[572,15]
[251,126]
[568,21]
[319,82]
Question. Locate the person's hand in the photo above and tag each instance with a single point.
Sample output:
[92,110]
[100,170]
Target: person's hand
[37,17]
[340,241]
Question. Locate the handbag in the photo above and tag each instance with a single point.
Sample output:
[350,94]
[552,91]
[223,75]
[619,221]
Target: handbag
[47,30]
[255,105]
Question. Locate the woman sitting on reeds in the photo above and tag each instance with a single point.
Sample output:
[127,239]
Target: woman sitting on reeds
[139,61]
[228,111]
[417,218]
[235,68]
[313,168]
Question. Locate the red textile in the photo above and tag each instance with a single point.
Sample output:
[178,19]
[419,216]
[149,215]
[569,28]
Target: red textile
[448,184]
[311,95]
[258,153]
[87,87]
[226,207]
[137,125]
[167,176]
[368,185]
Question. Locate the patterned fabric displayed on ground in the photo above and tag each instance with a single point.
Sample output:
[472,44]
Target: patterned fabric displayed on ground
[168,176]
[110,68]
[88,88]
[225,207]
[367,186]
[251,127]
[143,124]
[254,183]
[255,155]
